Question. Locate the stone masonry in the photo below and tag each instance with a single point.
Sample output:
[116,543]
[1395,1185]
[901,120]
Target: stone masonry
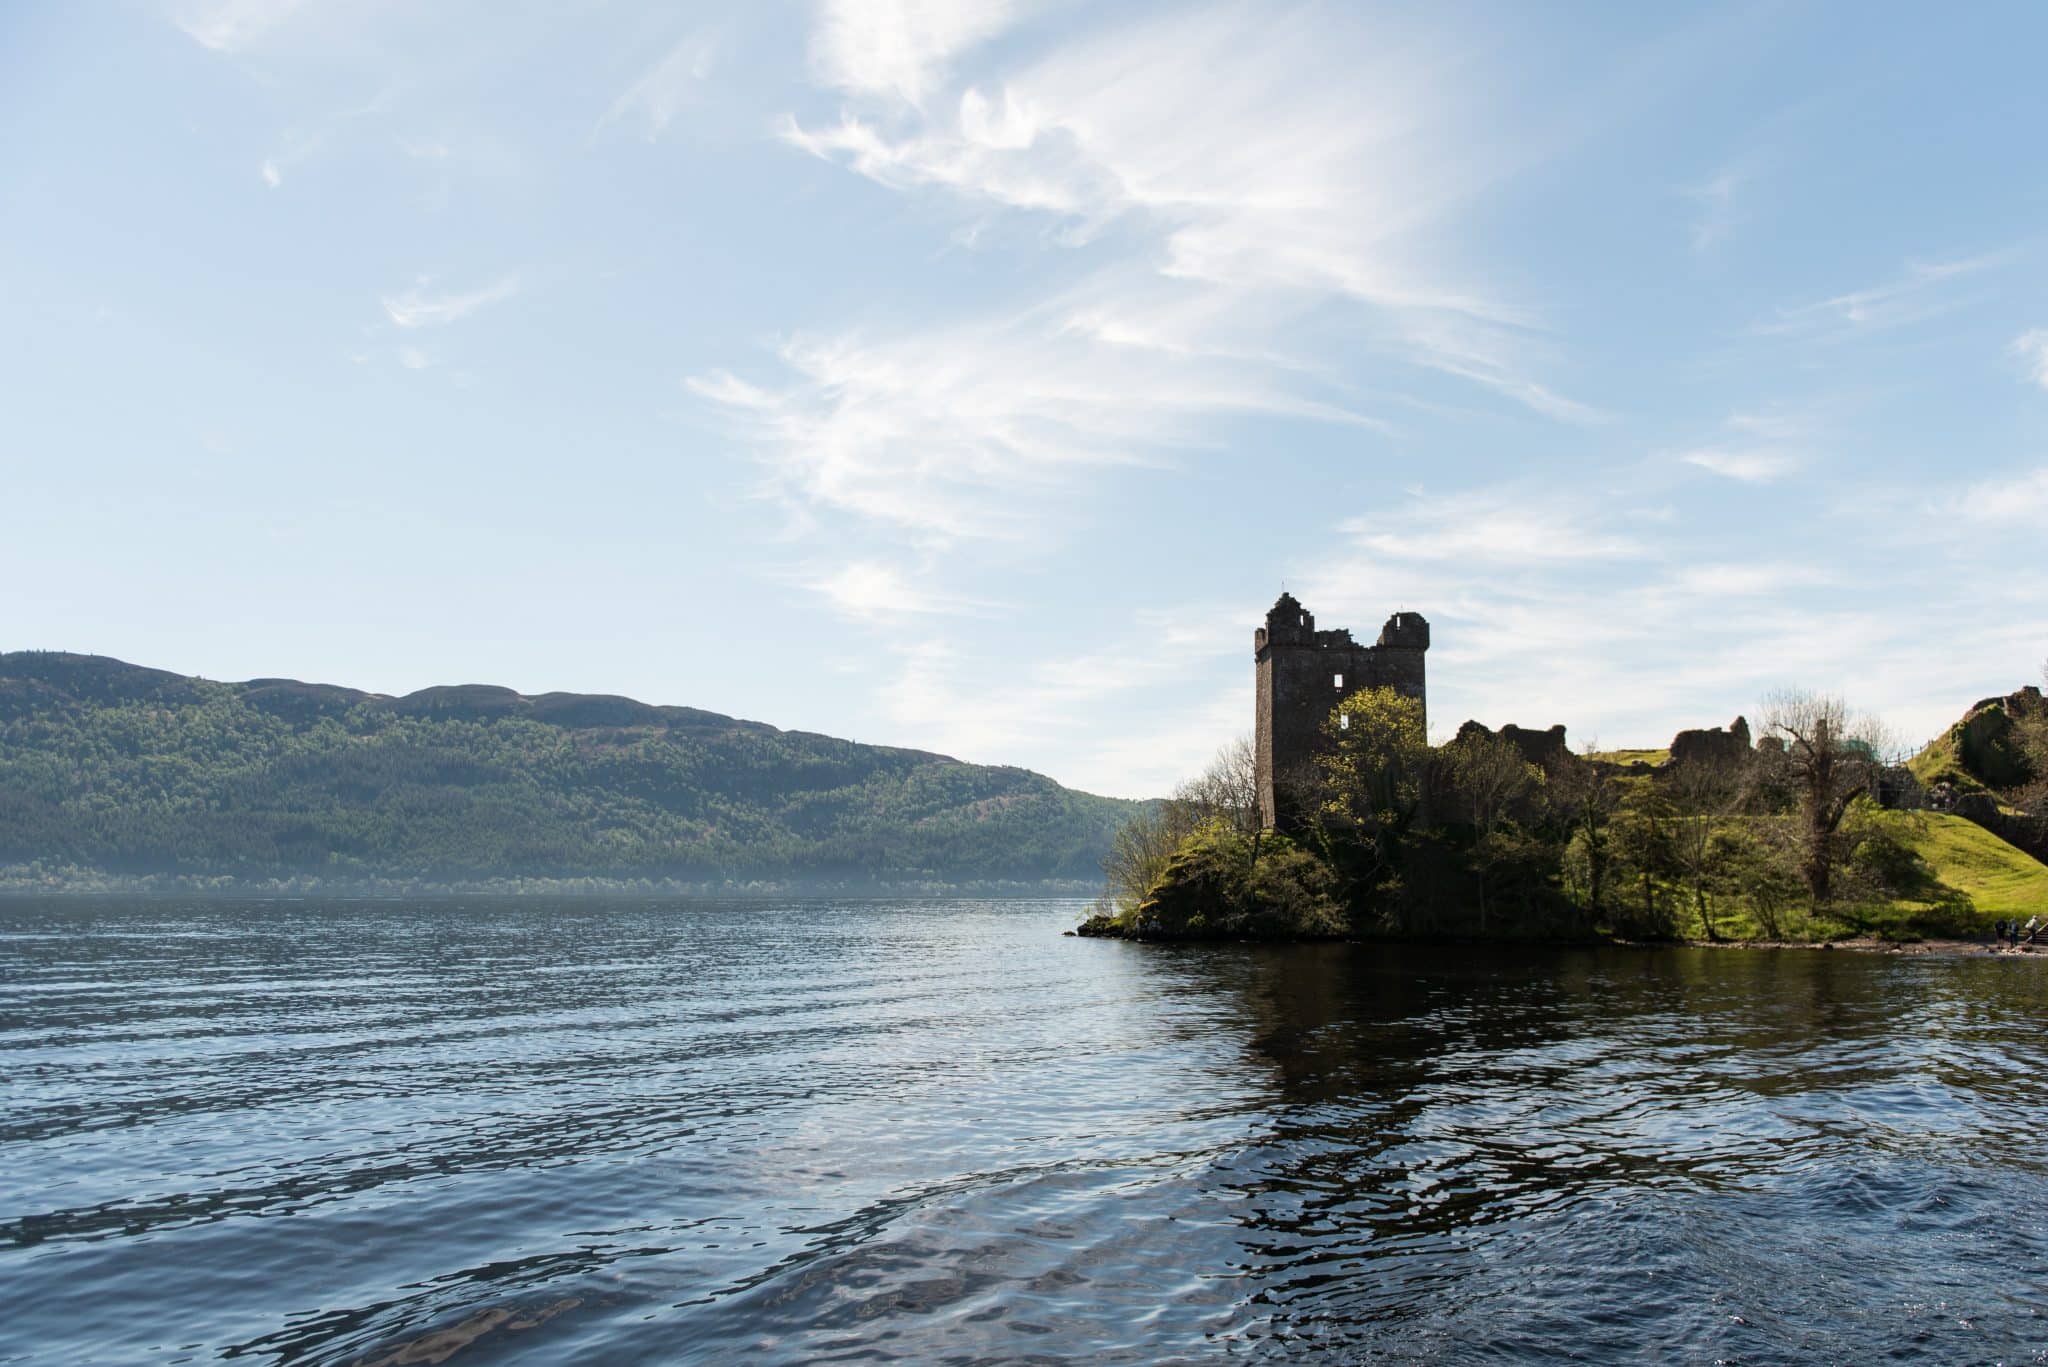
[1304,673]
[1716,746]
[1544,749]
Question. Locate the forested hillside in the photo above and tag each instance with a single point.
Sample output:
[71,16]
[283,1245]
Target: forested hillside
[116,769]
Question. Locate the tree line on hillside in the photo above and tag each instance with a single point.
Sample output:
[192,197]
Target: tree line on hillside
[195,778]
[1388,835]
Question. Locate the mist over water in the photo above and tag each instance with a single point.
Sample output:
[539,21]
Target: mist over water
[653,1132]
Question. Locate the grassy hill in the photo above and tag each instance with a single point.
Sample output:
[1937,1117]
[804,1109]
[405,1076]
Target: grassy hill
[109,768]
[1966,878]
[1973,870]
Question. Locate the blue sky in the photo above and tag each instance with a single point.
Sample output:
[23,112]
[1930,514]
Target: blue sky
[973,375]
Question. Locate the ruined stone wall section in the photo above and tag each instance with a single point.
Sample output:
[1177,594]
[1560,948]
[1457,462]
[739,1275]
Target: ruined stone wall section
[1546,750]
[1716,746]
[1304,673]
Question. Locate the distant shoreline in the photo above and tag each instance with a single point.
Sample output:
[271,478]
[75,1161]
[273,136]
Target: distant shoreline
[244,890]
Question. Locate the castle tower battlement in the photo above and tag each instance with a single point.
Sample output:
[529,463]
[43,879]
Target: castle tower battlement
[1304,673]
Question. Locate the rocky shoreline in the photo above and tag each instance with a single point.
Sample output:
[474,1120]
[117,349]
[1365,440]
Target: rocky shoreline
[1870,945]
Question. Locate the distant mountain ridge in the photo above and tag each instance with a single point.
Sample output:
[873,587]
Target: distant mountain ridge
[113,768]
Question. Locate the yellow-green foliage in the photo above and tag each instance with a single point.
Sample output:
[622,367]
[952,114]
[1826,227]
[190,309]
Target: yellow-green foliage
[1375,759]
[1652,758]
[1222,883]
[1998,879]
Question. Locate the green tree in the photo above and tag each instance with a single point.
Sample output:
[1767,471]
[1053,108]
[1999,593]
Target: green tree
[1372,779]
[1642,848]
[1583,796]
[1490,778]
[1700,793]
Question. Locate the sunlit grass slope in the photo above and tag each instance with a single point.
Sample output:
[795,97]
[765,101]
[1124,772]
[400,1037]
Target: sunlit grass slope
[1971,878]
[1998,879]
[1649,757]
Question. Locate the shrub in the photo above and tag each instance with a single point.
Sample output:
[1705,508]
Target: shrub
[1224,884]
[1759,863]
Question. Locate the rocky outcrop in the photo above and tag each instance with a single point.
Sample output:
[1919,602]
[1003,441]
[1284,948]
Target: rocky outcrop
[1984,739]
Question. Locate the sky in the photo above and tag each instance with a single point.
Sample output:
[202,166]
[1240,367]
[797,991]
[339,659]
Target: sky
[973,374]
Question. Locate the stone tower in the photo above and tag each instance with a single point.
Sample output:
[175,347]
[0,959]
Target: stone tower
[1304,673]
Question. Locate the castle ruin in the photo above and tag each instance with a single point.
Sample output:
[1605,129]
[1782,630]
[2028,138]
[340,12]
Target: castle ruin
[1304,673]
[1715,745]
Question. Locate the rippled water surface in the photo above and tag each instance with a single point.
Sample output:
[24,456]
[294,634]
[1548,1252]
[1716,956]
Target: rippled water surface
[653,1132]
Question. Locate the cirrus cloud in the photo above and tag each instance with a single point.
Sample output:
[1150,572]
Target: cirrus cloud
[422,306]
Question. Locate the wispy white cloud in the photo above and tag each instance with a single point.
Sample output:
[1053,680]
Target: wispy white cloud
[901,48]
[665,88]
[1686,635]
[1921,292]
[2032,349]
[1486,353]
[968,432]
[1748,579]
[421,306]
[1264,173]
[875,591]
[2015,500]
[1719,211]
[1518,526]
[1234,182]
[297,148]
[1752,466]
[230,25]
[1760,447]
[941,693]
[301,144]
[1261,154]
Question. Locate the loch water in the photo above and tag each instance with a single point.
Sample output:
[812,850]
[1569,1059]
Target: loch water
[939,1131]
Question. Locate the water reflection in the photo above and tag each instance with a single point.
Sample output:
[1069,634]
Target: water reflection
[650,1132]
[1752,1155]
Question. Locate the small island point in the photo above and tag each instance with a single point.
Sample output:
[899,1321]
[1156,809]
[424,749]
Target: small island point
[1337,819]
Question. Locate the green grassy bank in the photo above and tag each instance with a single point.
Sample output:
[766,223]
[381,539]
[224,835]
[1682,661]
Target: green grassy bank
[1968,878]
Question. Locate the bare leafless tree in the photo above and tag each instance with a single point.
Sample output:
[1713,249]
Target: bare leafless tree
[1137,856]
[1832,757]
[1228,790]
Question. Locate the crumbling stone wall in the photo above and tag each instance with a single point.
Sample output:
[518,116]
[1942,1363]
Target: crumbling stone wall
[1712,746]
[1544,749]
[1304,673]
